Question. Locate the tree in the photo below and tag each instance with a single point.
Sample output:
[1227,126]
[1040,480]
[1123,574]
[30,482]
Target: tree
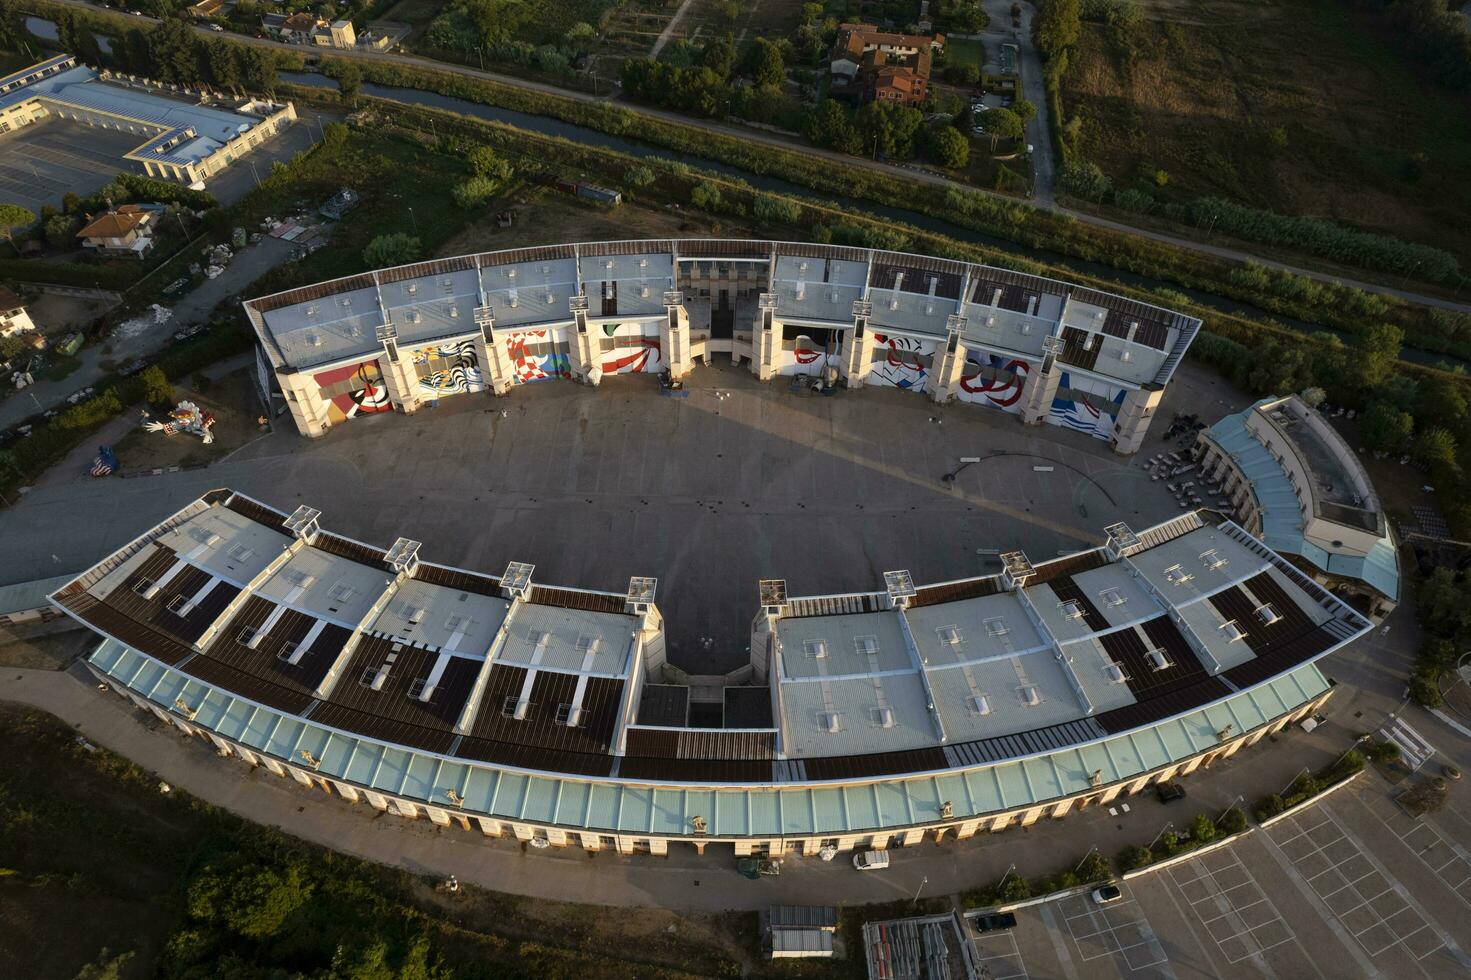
[764,63]
[175,53]
[830,126]
[1376,351]
[1386,429]
[475,192]
[223,62]
[157,390]
[398,248]
[638,175]
[1441,402]
[13,216]
[61,230]
[1057,26]
[1435,448]
[1025,111]
[948,148]
[1002,124]
[1427,797]
[77,38]
[719,56]
[581,39]
[349,79]
[875,129]
[253,902]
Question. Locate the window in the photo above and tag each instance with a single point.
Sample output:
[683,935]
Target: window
[1158,659]
[368,677]
[830,722]
[1177,575]
[949,635]
[1212,560]
[589,644]
[508,706]
[1232,632]
[142,586]
[1268,614]
[883,716]
[867,646]
[416,689]
[342,592]
[996,626]
[287,651]
[240,553]
[1114,673]
[1112,597]
[1072,609]
[815,649]
[978,704]
[246,636]
[568,715]
[179,605]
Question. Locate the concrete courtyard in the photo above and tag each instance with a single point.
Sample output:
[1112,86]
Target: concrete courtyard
[709,494]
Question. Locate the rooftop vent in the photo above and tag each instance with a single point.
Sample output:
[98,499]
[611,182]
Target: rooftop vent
[883,717]
[143,586]
[1268,614]
[374,677]
[815,649]
[1114,673]
[246,636]
[1029,696]
[342,592]
[240,553]
[1232,632]
[978,704]
[421,690]
[1072,609]
[513,707]
[867,646]
[180,605]
[589,644]
[1113,597]
[568,715]
[290,652]
[1158,660]
[996,626]
[830,722]
[413,288]
[415,614]
[949,635]
[1177,575]
[1212,560]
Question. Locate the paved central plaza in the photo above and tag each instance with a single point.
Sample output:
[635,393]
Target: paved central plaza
[711,492]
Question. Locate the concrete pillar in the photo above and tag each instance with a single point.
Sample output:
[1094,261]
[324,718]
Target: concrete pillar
[1041,385]
[948,363]
[399,378]
[699,847]
[495,366]
[658,845]
[674,335]
[1132,423]
[304,399]
[765,338]
[1000,823]
[625,845]
[860,351]
[582,354]
[1061,809]
[491,828]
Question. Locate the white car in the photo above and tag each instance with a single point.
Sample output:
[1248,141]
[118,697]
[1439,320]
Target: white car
[871,860]
[217,28]
[1107,894]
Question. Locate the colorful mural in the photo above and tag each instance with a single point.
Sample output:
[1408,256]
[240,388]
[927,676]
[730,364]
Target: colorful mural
[901,361]
[448,369]
[807,356]
[1077,414]
[535,355]
[357,389]
[635,348]
[1004,393]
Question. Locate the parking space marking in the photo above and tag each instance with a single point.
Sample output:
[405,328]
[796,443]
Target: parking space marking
[1006,958]
[1115,938]
[1243,934]
[1454,872]
[1368,915]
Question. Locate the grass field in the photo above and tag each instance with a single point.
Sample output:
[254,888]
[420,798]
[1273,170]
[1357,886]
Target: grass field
[962,51]
[1291,105]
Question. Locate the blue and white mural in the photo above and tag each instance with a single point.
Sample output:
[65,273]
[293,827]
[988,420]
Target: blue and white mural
[1080,416]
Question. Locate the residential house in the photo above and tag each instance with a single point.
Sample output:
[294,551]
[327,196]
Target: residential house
[126,230]
[869,64]
[856,40]
[338,34]
[297,28]
[13,316]
[899,84]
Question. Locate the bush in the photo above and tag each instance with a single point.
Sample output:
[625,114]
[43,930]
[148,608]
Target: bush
[1134,857]
[638,176]
[157,391]
[1384,752]
[777,210]
[1233,821]
[475,192]
[706,197]
[1095,867]
[1203,829]
[394,249]
[1268,806]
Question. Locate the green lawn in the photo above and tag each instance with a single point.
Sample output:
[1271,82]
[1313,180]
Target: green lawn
[964,51]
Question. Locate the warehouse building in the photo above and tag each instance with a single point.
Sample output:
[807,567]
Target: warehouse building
[396,339]
[507,707]
[183,138]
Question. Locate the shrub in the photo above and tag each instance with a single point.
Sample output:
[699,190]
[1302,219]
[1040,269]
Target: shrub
[1268,806]
[1233,821]
[1203,829]
[474,192]
[1095,867]
[706,197]
[157,391]
[638,176]
[1384,752]
[397,248]
[1014,889]
[777,210]
[1134,857]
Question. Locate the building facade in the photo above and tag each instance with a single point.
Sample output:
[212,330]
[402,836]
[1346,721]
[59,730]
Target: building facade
[183,139]
[512,708]
[1044,350]
[13,316]
[1294,482]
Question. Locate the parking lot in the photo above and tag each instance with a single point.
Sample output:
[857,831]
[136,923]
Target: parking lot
[1351,887]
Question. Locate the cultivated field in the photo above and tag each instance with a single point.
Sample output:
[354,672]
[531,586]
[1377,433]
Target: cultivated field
[1298,106]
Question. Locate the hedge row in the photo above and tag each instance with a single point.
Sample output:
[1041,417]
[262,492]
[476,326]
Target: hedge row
[1308,785]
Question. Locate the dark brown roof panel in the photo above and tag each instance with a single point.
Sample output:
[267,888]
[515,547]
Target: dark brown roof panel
[574,599]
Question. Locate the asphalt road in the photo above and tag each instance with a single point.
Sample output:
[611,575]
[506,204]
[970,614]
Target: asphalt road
[753,135]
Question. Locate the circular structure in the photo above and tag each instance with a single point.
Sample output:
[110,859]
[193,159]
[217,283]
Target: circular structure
[979,690]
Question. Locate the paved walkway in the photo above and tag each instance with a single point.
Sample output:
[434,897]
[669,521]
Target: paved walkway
[683,880]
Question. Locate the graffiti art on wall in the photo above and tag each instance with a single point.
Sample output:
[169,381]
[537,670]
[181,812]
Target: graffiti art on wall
[809,356]
[904,364]
[448,369]
[991,379]
[357,389]
[535,355]
[635,348]
[1073,412]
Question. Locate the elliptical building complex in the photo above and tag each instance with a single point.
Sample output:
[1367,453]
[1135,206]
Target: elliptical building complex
[394,339]
[507,706]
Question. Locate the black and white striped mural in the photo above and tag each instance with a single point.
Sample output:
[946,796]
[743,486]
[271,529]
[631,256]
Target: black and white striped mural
[448,369]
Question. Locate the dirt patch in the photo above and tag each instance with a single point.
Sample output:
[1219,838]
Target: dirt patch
[232,399]
[46,651]
[56,315]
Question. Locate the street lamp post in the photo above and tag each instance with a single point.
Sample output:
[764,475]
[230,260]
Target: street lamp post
[1356,743]
[414,221]
[922,882]
[1091,851]
[1301,772]
[1168,827]
[1229,807]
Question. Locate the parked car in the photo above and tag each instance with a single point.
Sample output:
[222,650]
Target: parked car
[1107,894]
[217,28]
[994,921]
[871,860]
[1169,792]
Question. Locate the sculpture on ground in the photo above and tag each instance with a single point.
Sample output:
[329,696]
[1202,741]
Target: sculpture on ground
[186,417]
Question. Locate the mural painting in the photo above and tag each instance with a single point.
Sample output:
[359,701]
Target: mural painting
[1078,414]
[627,349]
[809,356]
[1001,389]
[535,355]
[901,361]
[357,389]
[448,369]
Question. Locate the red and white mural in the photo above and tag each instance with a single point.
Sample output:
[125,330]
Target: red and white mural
[810,356]
[357,389]
[635,348]
[993,380]
[537,355]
